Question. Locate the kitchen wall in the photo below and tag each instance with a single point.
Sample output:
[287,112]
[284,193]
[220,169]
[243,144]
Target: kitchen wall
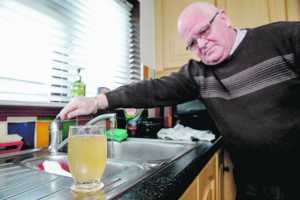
[147,33]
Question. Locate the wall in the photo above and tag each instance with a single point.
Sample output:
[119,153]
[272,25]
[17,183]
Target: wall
[147,33]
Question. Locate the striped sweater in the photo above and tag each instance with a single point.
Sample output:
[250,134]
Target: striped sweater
[253,96]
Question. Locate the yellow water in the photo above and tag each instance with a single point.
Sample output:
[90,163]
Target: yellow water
[87,155]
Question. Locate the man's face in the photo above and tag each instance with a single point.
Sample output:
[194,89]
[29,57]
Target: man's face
[208,35]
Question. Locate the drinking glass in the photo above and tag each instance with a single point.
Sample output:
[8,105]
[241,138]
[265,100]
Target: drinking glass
[87,155]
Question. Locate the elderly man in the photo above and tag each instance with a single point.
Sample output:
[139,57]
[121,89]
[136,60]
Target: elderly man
[249,81]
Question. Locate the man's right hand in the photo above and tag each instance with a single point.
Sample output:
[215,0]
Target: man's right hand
[83,106]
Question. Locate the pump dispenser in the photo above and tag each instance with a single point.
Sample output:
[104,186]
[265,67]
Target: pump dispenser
[78,87]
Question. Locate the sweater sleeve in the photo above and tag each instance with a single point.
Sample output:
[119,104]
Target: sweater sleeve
[291,33]
[287,36]
[168,90]
[297,44]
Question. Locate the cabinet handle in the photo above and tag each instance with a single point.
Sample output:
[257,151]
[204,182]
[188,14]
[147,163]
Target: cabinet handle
[226,169]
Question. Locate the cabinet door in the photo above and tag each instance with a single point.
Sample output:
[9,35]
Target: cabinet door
[253,13]
[192,192]
[170,48]
[206,184]
[293,10]
[208,180]
[227,181]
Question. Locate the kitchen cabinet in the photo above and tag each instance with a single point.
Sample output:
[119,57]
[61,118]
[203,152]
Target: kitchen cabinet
[192,192]
[170,48]
[214,182]
[253,13]
[228,188]
[206,186]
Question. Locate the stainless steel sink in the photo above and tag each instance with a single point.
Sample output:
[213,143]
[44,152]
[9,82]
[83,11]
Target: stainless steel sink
[116,171]
[148,151]
[128,163]
[113,167]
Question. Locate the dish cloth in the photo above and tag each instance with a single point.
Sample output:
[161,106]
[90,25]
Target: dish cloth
[54,167]
[10,138]
[10,143]
[179,132]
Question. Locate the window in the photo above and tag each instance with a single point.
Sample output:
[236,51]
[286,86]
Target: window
[44,42]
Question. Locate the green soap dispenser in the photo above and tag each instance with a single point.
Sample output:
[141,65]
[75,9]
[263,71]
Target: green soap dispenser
[78,87]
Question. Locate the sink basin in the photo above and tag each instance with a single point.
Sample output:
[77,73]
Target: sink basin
[150,152]
[116,174]
[113,167]
[128,162]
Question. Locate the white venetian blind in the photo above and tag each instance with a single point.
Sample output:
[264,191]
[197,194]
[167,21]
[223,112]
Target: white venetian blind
[43,42]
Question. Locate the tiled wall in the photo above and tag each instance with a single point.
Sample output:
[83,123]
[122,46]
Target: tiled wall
[31,123]
[33,130]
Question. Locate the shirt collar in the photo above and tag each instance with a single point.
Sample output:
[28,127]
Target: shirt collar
[240,35]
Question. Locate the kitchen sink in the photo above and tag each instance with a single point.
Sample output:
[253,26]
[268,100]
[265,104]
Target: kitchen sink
[116,171]
[128,163]
[58,164]
[147,150]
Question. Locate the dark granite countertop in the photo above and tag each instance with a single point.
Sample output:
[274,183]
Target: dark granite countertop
[172,181]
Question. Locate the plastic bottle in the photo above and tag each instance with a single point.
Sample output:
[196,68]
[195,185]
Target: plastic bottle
[131,128]
[78,87]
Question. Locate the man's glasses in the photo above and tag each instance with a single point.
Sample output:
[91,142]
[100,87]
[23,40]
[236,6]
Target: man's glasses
[192,44]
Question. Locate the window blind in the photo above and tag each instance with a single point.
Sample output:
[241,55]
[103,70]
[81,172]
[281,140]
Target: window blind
[44,42]
[135,58]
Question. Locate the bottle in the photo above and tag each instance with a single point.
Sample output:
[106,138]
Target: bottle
[78,87]
[131,128]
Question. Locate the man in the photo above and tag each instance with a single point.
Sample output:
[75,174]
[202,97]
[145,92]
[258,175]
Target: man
[249,82]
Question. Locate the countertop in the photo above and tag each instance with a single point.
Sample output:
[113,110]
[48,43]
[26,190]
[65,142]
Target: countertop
[169,183]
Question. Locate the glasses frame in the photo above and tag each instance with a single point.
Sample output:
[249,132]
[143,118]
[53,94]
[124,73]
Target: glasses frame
[207,26]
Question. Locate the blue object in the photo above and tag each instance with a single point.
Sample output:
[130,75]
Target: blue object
[25,130]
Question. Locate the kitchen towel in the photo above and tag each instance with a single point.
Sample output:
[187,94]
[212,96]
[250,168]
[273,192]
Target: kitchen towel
[10,143]
[25,129]
[179,132]
[10,138]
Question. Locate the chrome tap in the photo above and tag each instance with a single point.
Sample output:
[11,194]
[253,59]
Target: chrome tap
[113,119]
[55,130]
[111,116]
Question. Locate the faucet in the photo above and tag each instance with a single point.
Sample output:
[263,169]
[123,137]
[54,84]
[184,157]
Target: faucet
[111,116]
[113,119]
[55,130]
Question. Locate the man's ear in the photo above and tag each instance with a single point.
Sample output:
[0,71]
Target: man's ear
[225,18]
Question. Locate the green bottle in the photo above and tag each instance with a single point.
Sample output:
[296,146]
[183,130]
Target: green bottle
[78,87]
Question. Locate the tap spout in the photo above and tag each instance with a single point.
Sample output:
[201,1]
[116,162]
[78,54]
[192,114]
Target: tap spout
[55,130]
[111,116]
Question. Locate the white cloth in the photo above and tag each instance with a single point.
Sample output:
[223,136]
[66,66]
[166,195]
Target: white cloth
[179,132]
[10,138]
[55,168]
